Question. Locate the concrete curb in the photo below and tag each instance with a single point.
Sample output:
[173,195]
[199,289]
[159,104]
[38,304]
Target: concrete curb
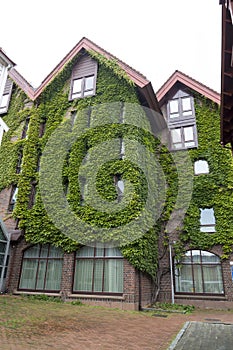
[179,335]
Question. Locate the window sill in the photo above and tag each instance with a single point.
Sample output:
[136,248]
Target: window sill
[96,296]
[200,297]
[23,292]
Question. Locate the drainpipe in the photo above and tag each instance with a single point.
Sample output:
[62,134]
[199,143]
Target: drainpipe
[139,292]
[171,272]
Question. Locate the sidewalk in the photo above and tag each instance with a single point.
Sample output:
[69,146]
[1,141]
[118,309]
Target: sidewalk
[204,336]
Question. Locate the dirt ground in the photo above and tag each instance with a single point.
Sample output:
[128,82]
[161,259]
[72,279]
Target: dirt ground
[94,328]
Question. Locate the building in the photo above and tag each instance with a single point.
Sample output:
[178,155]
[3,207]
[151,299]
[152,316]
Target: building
[202,270]
[226,74]
[179,251]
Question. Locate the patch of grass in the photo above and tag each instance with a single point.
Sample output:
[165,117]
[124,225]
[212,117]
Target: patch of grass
[169,307]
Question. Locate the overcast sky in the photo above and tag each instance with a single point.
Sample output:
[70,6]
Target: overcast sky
[155,37]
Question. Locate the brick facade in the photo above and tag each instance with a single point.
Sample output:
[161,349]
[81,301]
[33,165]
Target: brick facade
[136,293]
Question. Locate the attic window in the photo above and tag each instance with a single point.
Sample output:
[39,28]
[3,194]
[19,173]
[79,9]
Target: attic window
[181,106]
[83,87]
[182,121]
[83,80]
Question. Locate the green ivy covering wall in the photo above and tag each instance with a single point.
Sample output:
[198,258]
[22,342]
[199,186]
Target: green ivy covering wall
[212,190]
[53,106]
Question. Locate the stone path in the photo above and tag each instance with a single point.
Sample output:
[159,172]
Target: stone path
[204,336]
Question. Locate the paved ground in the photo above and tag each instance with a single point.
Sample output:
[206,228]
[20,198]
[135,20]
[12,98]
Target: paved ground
[203,336]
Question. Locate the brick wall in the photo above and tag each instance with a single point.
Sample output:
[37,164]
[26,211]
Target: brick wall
[133,284]
[225,301]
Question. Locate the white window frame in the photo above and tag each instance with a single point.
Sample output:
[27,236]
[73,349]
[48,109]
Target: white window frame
[182,118]
[207,227]
[3,78]
[183,143]
[198,164]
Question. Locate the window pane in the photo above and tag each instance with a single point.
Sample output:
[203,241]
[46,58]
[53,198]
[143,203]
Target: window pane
[2,237]
[98,276]
[44,251]
[208,257]
[86,251]
[196,257]
[113,276]
[187,258]
[201,167]
[14,195]
[208,228]
[55,252]
[176,135]
[28,274]
[174,106]
[53,275]
[2,259]
[112,252]
[207,217]
[213,279]
[188,133]
[198,284]
[32,252]
[177,145]
[186,104]
[190,144]
[2,247]
[83,275]
[183,279]
[120,185]
[77,86]
[41,274]
[88,93]
[89,83]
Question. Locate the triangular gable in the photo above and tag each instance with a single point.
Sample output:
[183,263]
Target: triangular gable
[141,82]
[189,82]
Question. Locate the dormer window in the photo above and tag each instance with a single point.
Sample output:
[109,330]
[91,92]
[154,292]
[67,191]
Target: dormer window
[181,106]
[181,121]
[83,81]
[83,87]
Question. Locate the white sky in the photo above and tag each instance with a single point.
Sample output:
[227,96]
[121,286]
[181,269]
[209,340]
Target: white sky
[155,37]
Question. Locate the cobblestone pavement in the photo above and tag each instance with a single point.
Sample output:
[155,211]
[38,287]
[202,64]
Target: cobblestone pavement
[204,336]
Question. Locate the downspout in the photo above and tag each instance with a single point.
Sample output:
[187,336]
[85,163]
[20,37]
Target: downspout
[139,291]
[171,273]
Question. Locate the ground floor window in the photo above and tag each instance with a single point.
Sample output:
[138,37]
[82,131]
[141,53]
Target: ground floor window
[41,268]
[98,270]
[200,272]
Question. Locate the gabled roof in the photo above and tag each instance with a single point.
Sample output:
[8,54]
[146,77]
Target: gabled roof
[144,86]
[191,83]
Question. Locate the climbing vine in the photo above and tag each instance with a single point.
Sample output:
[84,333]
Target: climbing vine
[53,108]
